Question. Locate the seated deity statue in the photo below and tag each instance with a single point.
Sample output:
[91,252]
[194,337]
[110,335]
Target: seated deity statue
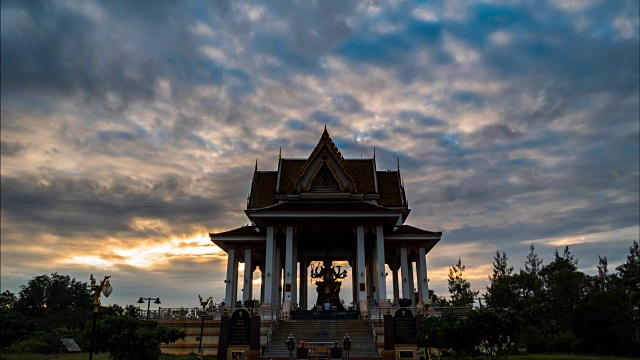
[327,272]
[329,287]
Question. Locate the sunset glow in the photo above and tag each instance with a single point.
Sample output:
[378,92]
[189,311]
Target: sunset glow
[131,130]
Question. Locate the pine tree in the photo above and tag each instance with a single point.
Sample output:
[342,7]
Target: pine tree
[629,273]
[460,288]
[500,293]
[601,281]
[565,287]
[533,265]
[630,270]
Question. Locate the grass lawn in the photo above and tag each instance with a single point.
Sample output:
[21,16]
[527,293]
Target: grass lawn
[79,356]
[85,356]
[551,357]
[566,357]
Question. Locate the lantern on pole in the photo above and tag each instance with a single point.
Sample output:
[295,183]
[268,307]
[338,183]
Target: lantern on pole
[291,345]
[347,345]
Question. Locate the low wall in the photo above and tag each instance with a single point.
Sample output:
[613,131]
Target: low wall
[189,344]
[211,333]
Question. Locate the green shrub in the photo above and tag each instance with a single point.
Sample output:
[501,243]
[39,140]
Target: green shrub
[537,344]
[29,346]
[561,344]
[128,338]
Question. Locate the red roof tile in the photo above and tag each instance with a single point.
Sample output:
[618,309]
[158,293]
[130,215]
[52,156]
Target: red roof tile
[362,172]
[389,188]
[290,169]
[264,189]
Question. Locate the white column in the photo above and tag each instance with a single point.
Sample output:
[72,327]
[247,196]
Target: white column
[382,282]
[362,293]
[248,275]
[396,286]
[412,286]
[367,273]
[234,282]
[294,273]
[303,283]
[277,286]
[288,264]
[373,275]
[423,280]
[354,280]
[262,281]
[405,273]
[228,298]
[269,269]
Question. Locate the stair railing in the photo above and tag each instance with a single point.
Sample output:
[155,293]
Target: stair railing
[273,327]
[374,336]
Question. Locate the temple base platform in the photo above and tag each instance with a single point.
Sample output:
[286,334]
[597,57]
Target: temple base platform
[324,315]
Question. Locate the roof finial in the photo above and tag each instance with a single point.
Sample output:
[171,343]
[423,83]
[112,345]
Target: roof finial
[374,153]
[398,163]
[256,170]
[280,153]
[325,134]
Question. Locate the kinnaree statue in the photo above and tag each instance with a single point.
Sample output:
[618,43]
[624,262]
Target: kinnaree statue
[329,287]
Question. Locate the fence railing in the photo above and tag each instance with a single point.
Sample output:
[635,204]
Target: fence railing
[209,313]
[375,313]
[378,313]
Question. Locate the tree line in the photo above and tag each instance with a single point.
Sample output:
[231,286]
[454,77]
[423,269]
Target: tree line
[543,308]
[51,307]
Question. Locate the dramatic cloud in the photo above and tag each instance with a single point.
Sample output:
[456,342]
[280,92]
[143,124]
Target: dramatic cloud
[130,129]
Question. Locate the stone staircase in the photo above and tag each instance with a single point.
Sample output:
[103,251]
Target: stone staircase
[362,343]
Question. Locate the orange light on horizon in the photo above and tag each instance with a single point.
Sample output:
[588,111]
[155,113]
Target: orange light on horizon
[151,254]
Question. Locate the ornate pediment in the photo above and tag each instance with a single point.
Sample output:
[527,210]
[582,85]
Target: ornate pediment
[325,170]
[324,182]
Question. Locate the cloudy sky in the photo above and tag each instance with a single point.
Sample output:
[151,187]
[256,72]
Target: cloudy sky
[130,130]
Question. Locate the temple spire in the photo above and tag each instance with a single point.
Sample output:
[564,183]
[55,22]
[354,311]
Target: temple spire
[325,134]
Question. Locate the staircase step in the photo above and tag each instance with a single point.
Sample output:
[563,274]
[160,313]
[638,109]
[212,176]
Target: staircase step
[309,331]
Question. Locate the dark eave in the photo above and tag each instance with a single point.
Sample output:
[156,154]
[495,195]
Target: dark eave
[412,230]
[410,235]
[245,234]
[324,210]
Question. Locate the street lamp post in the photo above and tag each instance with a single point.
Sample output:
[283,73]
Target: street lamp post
[479,297]
[204,305]
[346,342]
[291,345]
[142,300]
[104,288]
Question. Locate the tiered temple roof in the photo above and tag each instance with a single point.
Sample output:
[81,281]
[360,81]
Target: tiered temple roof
[326,183]
[358,177]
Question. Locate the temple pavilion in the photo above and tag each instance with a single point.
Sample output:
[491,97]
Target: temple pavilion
[325,209]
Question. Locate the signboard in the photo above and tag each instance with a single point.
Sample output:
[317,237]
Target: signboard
[240,328]
[404,327]
[406,354]
[70,345]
